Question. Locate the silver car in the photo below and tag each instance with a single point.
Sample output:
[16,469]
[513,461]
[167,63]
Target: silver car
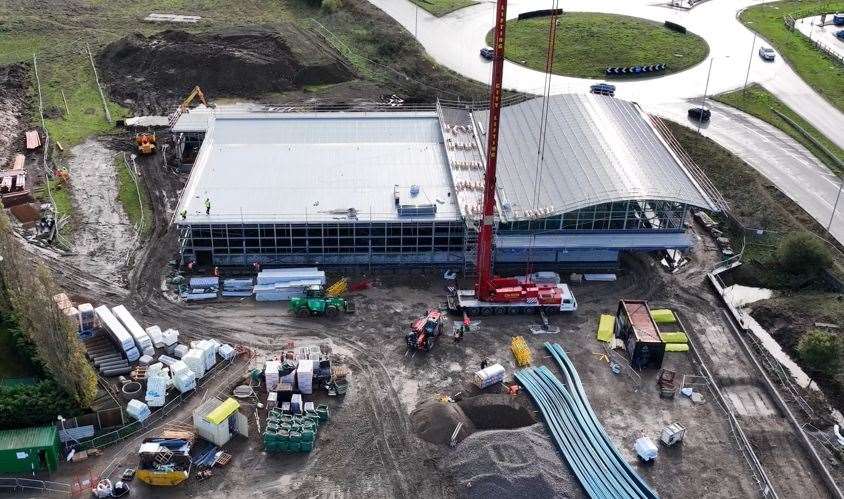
[767,53]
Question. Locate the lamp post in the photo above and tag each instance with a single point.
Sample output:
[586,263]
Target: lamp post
[835,206]
[706,90]
[749,60]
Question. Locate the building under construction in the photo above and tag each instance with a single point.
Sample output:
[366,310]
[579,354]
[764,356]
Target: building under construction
[581,178]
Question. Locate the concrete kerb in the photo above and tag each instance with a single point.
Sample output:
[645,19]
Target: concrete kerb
[736,322]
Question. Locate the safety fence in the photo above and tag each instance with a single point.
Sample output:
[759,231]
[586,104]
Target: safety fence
[32,485]
[136,427]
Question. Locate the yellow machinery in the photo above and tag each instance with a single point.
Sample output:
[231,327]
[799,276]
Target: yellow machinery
[196,92]
[145,143]
[338,288]
[164,462]
[521,351]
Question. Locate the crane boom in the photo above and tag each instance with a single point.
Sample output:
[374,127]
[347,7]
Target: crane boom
[484,286]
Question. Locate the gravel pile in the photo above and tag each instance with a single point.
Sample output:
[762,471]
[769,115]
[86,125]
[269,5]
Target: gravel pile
[435,421]
[510,463]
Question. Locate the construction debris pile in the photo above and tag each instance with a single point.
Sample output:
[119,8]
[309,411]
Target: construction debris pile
[147,70]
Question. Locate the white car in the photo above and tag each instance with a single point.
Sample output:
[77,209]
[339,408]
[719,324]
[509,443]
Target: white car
[767,53]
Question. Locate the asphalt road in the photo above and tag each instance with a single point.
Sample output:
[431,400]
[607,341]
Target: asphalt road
[455,40]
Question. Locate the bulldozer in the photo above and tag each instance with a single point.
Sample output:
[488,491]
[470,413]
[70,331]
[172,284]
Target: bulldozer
[315,303]
[425,330]
[145,142]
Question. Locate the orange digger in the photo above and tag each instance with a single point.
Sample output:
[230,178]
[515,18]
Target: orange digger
[145,142]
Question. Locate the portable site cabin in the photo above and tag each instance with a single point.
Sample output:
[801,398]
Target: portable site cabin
[636,327]
[29,450]
[218,421]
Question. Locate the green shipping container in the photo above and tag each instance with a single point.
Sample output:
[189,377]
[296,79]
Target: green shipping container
[29,450]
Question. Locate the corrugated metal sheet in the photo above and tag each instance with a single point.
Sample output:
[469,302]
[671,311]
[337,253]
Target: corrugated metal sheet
[78,433]
[193,120]
[28,438]
[317,167]
[598,150]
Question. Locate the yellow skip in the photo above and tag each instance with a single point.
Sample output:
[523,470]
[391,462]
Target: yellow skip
[520,351]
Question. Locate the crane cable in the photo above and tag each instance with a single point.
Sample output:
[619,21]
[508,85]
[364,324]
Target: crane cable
[543,124]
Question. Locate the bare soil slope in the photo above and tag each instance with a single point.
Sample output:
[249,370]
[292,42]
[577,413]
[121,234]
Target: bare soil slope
[238,62]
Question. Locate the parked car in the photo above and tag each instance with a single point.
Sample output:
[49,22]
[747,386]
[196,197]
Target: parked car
[487,53]
[840,34]
[767,53]
[838,19]
[700,114]
[603,89]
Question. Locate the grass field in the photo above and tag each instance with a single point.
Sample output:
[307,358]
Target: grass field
[759,102]
[443,7]
[755,202]
[127,194]
[588,43]
[823,73]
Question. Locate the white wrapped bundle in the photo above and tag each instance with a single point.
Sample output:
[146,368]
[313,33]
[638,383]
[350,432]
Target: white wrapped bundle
[489,376]
[156,336]
[137,410]
[184,381]
[271,374]
[195,362]
[226,352]
[305,376]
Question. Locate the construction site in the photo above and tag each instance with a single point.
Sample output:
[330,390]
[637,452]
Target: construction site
[326,284]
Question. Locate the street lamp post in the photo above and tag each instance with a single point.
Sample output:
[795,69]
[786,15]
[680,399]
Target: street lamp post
[835,206]
[705,90]
[749,60]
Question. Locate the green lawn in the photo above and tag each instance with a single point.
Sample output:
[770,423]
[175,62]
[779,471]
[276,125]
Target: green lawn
[443,7]
[823,73]
[759,102]
[589,43]
[127,194]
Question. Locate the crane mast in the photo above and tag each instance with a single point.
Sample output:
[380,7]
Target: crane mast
[484,287]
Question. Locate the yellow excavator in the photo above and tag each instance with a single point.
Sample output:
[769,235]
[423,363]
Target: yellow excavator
[196,92]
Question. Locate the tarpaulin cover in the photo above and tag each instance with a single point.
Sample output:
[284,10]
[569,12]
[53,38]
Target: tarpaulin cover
[663,316]
[223,411]
[674,337]
[606,328]
[676,347]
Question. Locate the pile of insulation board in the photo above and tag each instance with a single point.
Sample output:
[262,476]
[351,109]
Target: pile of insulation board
[202,288]
[284,284]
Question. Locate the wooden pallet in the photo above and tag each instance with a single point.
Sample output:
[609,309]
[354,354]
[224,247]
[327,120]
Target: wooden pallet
[223,459]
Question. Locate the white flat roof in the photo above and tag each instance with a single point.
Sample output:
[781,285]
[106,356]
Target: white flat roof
[316,167]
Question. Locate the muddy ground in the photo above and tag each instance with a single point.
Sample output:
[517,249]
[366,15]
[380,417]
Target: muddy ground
[103,238]
[14,104]
[156,71]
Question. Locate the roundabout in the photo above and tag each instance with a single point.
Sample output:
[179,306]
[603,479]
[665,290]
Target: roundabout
[588,43]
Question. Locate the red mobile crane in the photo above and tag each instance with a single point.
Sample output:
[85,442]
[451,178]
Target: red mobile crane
[492,294]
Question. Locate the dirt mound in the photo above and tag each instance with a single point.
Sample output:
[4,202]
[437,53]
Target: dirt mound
[147,71]
[510,463]
[498,411]
[14,82]
[435,421]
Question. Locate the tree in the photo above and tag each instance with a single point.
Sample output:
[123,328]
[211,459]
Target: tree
[803,253]
[331,6]
[28,289]
[821,351]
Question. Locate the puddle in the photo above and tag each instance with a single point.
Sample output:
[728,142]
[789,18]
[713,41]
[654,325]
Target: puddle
[103,237]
